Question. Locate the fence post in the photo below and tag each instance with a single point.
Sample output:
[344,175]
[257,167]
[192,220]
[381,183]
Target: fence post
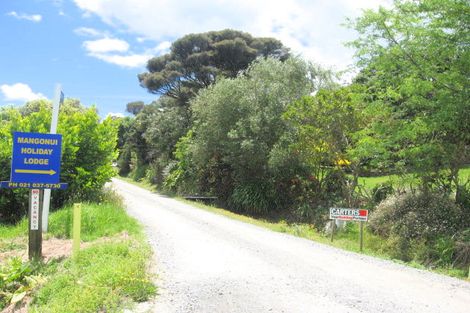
[77,208]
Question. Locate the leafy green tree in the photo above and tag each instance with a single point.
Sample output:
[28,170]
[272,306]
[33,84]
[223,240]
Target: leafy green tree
[238,122]
[135,107]
[324,127]
[415,65]
[147,141]
[196,60]
[89,148]
[124,159]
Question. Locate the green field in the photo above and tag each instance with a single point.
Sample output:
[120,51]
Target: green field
[405,180]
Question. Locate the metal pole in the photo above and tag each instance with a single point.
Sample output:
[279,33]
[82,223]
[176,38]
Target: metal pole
[54,122]
[34,225]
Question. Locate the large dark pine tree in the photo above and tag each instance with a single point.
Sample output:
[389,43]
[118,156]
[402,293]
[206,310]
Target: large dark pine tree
[196,60]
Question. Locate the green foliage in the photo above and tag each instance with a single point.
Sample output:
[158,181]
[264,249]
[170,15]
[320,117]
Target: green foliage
[381,191]
[88,149]
[323,127]
[98,280]
[102,278]
[419,226]
[182,176]
[462,250]
[195,61]
[416,215]
[415,67]
[125,153]
[148,140]
[106,218]
[17,279]
[238,122]
[255,198]
[462,198]
[88,153]
[135,107]
[98,220]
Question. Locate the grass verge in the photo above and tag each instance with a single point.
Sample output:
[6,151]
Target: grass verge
[102,278]
[111,273]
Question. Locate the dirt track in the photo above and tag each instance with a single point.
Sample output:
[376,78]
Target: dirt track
[209,263]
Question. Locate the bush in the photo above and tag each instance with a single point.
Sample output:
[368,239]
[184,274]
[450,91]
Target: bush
[462,198]
[461,258]
[381,191]
[315,214]
[419,226]
[314,197]
[17,279]
[416,216]
[254,198]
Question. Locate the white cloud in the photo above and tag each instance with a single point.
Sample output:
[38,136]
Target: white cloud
[310,27]
[162,47]
[89,32]
[19,92]
[29,17]
[114,51]
[106,45]
[113,114]
[359,5]
[130,61]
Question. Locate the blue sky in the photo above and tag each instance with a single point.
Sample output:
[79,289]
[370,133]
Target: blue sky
[96,48]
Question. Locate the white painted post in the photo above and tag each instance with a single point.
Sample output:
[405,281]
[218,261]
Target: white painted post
[58,98]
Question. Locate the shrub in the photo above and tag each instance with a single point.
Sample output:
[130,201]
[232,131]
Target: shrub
[254,198]
[462,198]
[17,279]
[420,226]
[381,191]
[461,258]
[416,216]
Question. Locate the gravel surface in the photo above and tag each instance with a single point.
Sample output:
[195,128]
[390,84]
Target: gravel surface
[210,263]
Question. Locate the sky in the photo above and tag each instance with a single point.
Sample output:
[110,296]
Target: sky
[96,48]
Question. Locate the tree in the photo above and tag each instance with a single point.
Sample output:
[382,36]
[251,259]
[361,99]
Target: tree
[135,107]
[196,60]
[415,65]
[324,127]
[237,124]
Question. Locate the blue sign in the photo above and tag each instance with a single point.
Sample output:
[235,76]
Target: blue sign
[36,158]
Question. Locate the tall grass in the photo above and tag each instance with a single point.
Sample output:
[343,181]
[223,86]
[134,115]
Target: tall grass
[103,277]
[98,220]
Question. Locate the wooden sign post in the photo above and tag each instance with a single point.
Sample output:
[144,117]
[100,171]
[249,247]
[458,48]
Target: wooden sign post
[35,165]
[35,230]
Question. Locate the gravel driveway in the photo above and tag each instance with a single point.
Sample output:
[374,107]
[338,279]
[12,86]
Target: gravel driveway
[210,263]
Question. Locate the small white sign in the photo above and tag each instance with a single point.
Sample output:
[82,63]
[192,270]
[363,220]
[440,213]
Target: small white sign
[35,209]
[348,214]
